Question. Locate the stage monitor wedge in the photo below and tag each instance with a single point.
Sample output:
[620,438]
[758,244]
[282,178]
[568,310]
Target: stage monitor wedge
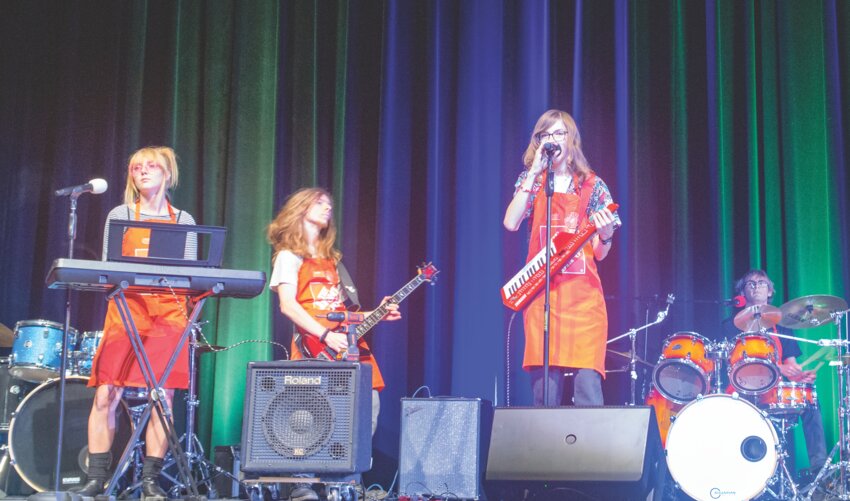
[575,446]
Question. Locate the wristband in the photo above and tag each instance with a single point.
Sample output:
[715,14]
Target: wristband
[324,335]
[606,242]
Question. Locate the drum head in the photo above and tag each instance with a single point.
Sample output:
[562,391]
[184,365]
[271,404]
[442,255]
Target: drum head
[33,434]
[679,380]
[721,447]
[753,376]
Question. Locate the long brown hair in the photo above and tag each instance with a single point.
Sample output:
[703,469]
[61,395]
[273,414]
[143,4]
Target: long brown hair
[577,164]
[286,231]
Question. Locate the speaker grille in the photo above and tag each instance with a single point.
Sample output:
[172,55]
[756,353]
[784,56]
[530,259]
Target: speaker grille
[440,450]
[306,416]
[298,422]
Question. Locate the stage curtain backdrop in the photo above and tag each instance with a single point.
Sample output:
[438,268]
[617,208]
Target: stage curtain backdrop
[720,127]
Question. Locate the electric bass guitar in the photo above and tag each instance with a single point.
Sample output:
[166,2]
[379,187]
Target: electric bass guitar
[317,349]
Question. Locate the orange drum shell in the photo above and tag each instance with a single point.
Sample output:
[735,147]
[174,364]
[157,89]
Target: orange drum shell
[752,346]
[688,346]
[665,411]
[790,395]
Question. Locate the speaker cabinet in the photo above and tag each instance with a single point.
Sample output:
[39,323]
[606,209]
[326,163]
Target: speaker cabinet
[307,416]
[441,446]
[607,451]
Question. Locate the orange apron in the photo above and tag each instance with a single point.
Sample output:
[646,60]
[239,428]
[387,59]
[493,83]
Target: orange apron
[319,291]
[578,328]
[160,321]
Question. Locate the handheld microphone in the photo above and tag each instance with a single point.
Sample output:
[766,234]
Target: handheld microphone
[737,301]
[551,148]
[95,187]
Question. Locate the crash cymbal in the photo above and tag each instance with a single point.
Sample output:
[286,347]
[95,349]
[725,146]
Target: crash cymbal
[757,317]
[7,337]
[810,311]
[637,358]
[207,348]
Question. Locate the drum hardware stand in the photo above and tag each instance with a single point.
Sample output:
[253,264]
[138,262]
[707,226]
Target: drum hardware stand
[632,334]
[783,476]
[194,451]
[156,394]
[843,445]
[136,461]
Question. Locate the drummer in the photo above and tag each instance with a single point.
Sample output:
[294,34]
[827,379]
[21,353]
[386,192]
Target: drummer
[757,289]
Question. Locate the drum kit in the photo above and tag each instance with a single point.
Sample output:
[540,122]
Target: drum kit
[724,411]
[29,384]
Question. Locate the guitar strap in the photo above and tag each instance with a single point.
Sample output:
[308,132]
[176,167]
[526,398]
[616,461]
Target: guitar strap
[351,301]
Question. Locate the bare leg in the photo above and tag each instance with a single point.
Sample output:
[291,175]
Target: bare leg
[155,441]
[102,418]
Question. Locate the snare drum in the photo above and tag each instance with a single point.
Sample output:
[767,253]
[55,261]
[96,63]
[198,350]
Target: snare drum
[37,350]
[753,364]
[88,347]
[721,447]
[683,370]
[789,399]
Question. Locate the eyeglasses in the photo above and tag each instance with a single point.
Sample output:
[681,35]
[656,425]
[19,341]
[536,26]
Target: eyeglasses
[558,135]
[138,168]
[750,284]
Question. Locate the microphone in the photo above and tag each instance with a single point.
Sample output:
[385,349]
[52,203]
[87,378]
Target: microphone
[344,316]
[737,301]
[551,148]
[95,187]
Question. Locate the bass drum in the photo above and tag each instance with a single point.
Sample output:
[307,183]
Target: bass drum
[33,434]
[721,447]
[12,391]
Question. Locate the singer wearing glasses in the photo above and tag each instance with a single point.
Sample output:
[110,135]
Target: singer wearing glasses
[160,319]
[578,328]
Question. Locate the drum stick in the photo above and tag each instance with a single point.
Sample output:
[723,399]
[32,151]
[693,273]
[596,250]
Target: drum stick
[818,356]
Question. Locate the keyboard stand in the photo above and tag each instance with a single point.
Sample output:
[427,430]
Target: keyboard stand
[156,394]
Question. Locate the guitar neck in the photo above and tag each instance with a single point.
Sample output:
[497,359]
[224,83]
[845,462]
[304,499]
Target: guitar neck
[377,315]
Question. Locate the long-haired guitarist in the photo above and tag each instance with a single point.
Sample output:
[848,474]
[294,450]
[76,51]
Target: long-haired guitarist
[579,321]
[306,280]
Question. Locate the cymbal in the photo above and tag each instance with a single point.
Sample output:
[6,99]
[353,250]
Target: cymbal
[7,337]
[810,311]
[207,348]
[637,358]
[757,317]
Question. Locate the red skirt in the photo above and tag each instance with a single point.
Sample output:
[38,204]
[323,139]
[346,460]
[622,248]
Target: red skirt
[160,321]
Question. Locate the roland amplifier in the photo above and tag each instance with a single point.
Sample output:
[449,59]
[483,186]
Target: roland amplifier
[307,416]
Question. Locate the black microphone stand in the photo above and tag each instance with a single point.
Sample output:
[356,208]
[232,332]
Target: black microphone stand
[72,236]
[550,191]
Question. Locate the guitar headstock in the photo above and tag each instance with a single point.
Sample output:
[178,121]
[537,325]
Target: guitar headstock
[428,272]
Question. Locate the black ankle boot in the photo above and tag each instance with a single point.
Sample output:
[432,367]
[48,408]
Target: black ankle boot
[150,480]
[99,463]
